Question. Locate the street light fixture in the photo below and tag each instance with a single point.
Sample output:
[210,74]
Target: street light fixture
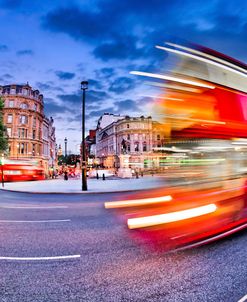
[65,143]
[84,87]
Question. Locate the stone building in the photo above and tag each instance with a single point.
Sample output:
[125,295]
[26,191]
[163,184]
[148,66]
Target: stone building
[30,134]
[139,137]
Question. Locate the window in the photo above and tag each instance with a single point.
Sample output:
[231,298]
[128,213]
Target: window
[22,132]
[128,136]
[23,119]
[10,118]
[128,125]
[158,137]
[136,147]
[22,148]
[34,122]
[144,146]
[11,103]
[23,106]
[35,107]
[12,91]
[34,134]
[33,149]
[128,147]
[9,132]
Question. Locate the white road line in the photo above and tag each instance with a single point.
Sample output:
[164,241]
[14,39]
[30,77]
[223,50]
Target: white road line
[40,258]
[33,221]
[33,207]
[244,298]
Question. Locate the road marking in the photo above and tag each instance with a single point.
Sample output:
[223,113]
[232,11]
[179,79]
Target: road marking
[33,221]
[40,258]
[244,298]
[33,207]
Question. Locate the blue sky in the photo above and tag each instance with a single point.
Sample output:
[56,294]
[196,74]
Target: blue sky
[55,44]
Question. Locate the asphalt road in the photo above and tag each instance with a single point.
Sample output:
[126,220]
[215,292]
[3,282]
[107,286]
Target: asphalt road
[104,262]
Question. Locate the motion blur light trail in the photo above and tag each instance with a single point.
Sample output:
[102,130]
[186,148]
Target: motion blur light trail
[137,202]
[202,109]
[143,222]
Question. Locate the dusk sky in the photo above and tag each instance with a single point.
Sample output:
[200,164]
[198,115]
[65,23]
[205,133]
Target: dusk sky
[54,45]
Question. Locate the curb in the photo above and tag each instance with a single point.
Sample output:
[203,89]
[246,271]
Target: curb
[78,193]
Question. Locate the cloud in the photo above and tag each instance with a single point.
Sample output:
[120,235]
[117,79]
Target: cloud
[94,84]
[25,52]
[63,75]
[121,85]
[3,47]
[98,113]
[7,76]
[126,106]
[48,86]
[72,98]
[52,108]
[122,47]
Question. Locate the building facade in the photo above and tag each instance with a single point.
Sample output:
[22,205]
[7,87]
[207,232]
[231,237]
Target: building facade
[139,137]
[30,134]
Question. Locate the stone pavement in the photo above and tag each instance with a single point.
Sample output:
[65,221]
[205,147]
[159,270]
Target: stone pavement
[94,185]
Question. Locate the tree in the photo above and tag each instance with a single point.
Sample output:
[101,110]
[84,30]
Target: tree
[3,132]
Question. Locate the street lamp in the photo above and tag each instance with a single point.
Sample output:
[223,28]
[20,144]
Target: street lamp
[65,143]
[84,87]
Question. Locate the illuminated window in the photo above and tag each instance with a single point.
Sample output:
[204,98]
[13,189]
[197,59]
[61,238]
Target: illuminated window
[12,91]
[23,148]
[11,103]
[9,132]
[23,119]
[23,106]
[136,147]
[10,118]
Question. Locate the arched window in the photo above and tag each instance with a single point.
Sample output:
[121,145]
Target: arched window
[23,106]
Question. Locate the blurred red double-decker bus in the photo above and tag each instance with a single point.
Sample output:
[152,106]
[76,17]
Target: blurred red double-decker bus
[15,170]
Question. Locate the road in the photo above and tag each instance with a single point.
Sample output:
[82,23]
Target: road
[104,263]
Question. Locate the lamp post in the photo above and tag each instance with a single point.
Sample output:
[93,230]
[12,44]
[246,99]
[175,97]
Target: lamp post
[65,145]
[84,87]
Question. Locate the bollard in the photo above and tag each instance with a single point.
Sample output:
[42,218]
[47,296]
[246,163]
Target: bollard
[97,175]
[103,176]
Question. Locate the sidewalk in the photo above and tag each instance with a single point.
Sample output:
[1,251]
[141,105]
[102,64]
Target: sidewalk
[94,185]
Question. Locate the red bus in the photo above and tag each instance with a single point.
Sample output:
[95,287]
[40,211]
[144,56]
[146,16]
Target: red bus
[14,170]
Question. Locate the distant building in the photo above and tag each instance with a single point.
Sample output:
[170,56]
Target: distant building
[31,135]
[139,137]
